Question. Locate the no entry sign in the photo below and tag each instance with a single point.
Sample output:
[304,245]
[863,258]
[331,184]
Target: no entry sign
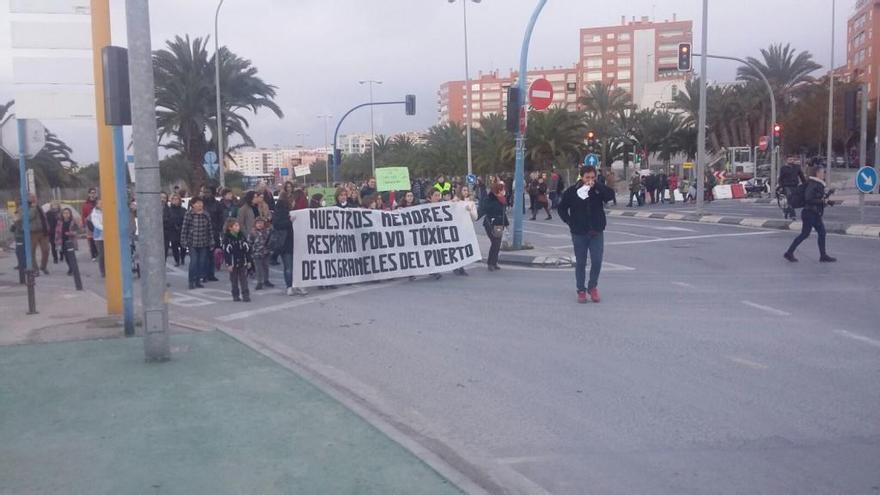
[541,94]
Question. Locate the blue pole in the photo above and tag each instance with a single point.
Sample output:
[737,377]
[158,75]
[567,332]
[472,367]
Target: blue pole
[124,235]
[25,214]
[519,172]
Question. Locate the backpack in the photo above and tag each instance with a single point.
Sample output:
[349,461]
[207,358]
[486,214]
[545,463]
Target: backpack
[798,198]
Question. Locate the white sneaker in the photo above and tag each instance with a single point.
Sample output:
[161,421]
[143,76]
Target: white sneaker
[302,291]
[290,291]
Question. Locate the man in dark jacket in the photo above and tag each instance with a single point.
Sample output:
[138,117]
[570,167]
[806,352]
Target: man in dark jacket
[815,200]
[583,208]
[790,177]
[216,212]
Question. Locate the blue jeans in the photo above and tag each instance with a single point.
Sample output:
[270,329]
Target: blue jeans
[811,220]
[595,246]
[287,260]
[199,257]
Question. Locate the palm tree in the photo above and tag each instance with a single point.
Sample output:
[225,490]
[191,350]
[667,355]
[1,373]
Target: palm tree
[784,68]
[602,106]
[382,145]
[554,136]
[493,145]
[446,149]
[185,98]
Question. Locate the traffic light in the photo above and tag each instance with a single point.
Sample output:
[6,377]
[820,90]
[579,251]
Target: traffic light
[684,57]
[777,133]
[513,104]
[850,110]
[410,104]
[590,135]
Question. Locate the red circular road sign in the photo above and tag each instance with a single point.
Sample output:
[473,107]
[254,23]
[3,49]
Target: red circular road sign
[763,143]
[541,94]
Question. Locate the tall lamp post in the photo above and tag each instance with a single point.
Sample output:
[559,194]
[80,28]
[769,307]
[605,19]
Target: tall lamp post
[371,82]
[468,89]
[830,152]
[302,136]
[220,154]
[326,118]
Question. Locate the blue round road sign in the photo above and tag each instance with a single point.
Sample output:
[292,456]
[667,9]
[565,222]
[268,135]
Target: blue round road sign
[591,160]
[210,157]
[866,179]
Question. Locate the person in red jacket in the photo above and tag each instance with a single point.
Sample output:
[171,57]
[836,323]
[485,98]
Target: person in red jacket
[673,186]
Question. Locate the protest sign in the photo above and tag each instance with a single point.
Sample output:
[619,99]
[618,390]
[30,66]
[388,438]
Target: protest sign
[392,179]
[333,246]
[328,192]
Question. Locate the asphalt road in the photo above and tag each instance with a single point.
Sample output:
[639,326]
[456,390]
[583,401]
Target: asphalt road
[842,214]
[711,365]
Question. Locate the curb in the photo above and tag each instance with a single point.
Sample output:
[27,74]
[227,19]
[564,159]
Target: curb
[764,201]
[858,230]
[535,261]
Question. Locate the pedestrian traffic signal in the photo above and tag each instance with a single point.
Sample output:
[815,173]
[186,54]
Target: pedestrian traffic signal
[513,104]
[410,104]
[777,130]
[590,135]
[684,57]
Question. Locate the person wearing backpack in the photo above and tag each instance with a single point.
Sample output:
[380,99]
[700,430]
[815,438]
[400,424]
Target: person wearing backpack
[814,200]
[790,177]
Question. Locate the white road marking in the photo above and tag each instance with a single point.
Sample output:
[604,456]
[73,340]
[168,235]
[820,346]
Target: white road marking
[860,338]
[654,227]
[747,363]
[527,459]
[326,296]
[620,232]
[684,284]
[542,234]
[691,237]
[606,267]
[773,311]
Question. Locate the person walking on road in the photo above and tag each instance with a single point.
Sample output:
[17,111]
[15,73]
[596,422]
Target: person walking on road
[172,224]
[238,259]
[52,217]
[493,210]
[538,196]
[583,209]
[662,186]
[815,200]
[673,186]
[635,190]
[216,213]
[197,235]
[87,207]
[96,218]
[66,232]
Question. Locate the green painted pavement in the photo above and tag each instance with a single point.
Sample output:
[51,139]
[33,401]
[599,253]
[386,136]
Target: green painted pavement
[92,417]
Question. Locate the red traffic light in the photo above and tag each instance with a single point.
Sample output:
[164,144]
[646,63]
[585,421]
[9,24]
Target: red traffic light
[590,135]
[777,130]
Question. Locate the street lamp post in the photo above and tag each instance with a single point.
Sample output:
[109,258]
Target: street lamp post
[468,89]
[701,126]
[828,150]
[326,118]
[372,128]
[302,136]
[220,154]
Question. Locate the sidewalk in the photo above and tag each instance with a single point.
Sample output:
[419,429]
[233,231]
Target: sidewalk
[91,416]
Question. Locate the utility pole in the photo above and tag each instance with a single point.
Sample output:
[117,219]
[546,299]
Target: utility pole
[220,153]
[829,149]
[701,126]
[148,184]
[326,118]
[371,82]
[863,147]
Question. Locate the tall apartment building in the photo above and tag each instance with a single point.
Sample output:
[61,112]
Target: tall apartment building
[253,162]
[632,56]
[862,45]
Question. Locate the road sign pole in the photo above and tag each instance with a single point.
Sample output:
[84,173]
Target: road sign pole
[701,126]
[143,112]
[25,216]
[863,147]
[519,171]
[122,211]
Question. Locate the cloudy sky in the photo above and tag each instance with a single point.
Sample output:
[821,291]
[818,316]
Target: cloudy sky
[315,51]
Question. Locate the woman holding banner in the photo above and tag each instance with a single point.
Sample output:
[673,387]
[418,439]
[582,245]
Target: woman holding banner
[342,198]
[282,225]
[464,196]
[493,210]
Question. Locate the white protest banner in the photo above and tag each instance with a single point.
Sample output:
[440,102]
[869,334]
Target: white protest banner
[333,246]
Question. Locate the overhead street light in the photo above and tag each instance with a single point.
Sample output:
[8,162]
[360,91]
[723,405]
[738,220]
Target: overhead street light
[371,82]
[220,154]
[468,90]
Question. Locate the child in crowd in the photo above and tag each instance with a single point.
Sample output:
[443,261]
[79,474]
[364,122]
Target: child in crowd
[237,255]
[259,240]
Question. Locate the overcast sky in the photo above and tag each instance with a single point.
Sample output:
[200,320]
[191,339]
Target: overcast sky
[315,51]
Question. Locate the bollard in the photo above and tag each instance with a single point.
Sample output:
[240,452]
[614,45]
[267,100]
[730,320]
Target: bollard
[32,300]
[22,267]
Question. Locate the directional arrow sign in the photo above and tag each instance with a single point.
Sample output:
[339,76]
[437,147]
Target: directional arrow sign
[866,179]
[591,160]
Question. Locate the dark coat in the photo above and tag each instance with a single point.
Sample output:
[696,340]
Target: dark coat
[814,196]
[172,222]
[236,250]
[492,211]
[282,225]
[585,215]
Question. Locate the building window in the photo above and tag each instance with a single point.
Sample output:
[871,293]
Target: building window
[594,76]
[624,48]
[624,37]
[625,86]
[609,49]
[674,91]
[668,60]
[610,61]
[592,38]
[668,47]
[624,61]
[571,87]
[609,36]
[593,50]
[671,34]
[593,63]
[623,75]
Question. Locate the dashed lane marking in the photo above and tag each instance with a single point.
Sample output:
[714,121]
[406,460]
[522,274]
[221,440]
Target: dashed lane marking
[768,309]
[857,337]
[747,363]
[691,237]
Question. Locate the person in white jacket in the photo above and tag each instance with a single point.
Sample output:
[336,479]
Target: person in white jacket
[97,219]
[464,196]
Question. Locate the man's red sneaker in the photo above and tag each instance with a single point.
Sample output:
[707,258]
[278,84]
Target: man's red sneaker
[594,294]
[582,297]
